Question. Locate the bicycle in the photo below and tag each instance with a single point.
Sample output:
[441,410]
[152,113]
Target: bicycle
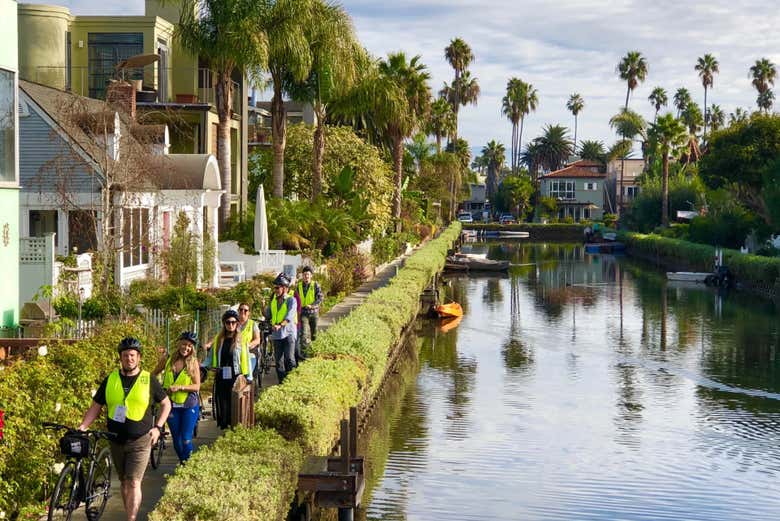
[159,447]
[73,486]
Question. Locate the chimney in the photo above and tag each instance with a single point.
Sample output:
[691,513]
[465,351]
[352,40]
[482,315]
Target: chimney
[120,95]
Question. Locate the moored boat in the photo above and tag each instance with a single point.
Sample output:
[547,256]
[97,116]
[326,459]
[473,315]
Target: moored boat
[688,276]
[468,263]
[453,309]
[513,234]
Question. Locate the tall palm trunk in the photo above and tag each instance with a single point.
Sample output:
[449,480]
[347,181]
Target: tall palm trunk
[438,143]
[456,109]
[398,163]
[620,190]
[520,137]
[704,136]
[514,147]
[318,151]
[224,93]
[628,93]
[665,190]
[279,136]
[575,133]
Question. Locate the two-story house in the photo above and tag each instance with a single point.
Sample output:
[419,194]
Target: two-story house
[623,181]
[578,188]
[9,168]
[85,54]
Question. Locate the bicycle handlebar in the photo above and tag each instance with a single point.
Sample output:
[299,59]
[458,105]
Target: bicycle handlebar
[96,434]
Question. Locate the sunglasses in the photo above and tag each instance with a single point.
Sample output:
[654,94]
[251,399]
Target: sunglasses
[231,322]
[244,310]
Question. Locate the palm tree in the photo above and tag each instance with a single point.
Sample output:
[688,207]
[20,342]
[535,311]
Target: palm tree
[633,70]
[739,115]
[441,121]
[669,136]
[221,32]
[717,118]
[532,158]
[692,118]
[575,105]
[335,53]
[555,147]
[463,91]
[287,24]
[420,150]
[629,125]
[764,73]
[658,99]
[682,97]
[510,107]
[528,99]
[459,56]
[495,154]
[592,150]
[707,67]
[401,101]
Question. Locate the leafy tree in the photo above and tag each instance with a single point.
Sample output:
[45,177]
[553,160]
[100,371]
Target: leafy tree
[739,159]
[707,66]
[223,34]
[442,121]
[495,153]
[335,55]
[181,258]
[459,55]
[632,69]
[685,188]
[668,136]
[593,150]
[575,106]
[514,195]
[436,178]
[682,97]
[658,99]
[763,74]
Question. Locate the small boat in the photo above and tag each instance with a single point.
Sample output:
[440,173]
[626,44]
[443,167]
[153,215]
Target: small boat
[513,234]
[461,263]
[452,309]
[688,276]
[482,256]
[450,323]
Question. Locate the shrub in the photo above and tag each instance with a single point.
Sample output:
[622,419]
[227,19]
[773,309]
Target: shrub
[347,270]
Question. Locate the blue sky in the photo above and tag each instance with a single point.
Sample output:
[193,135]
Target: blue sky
[563,47]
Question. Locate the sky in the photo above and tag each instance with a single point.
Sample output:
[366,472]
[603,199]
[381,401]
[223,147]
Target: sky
[561,48]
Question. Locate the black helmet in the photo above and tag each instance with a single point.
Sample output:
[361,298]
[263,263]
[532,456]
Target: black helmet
[189,336]
[230,313]
[282,280]
[307,268]
[129,343]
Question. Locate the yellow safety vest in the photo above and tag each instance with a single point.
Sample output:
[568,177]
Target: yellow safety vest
[307,299]
[184,378]
[216,346]
[137,400]
[246,333]
[277,315]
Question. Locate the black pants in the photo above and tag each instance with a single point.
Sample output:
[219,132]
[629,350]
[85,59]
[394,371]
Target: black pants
[284,355]
[222,391]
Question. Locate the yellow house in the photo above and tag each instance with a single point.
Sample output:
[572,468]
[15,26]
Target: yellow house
[83,54]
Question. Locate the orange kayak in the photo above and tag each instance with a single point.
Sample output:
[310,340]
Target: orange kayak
[449,323]
[452,309]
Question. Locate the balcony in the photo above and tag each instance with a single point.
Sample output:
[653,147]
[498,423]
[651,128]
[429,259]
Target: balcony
[149,82]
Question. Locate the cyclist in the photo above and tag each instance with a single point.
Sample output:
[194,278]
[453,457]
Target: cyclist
[281,312]
[127,393]
[181,380]
[228,356]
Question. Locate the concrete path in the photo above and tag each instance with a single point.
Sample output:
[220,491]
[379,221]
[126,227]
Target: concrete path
[154,481]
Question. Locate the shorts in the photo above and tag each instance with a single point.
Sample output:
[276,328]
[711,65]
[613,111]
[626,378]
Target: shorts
[130,458]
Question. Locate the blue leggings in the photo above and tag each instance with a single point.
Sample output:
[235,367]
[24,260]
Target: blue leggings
[182,422]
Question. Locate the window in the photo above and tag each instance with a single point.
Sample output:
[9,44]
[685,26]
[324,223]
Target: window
[105,51]
[44,222]
[135,236]
[591,186]
[586,213]
[7,126]
[631,191]
[562,189]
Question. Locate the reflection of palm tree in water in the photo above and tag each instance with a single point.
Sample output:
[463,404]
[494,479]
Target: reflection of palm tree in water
[517,356]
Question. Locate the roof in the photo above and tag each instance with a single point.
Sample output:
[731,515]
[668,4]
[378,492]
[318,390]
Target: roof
[579,170]
[189,172]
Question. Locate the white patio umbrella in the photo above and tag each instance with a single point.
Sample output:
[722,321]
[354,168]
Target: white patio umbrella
[261,222]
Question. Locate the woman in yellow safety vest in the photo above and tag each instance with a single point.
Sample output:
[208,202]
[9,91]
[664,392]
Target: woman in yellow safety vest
[181,380]
[229,357]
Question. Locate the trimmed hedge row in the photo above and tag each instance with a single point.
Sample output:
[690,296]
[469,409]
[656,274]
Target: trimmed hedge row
[752,270]
[57,387]
[347,365]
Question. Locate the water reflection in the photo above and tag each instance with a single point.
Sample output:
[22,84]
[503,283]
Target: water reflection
[587,387]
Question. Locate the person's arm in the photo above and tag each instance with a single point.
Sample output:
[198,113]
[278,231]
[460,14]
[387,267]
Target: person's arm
[255,336]
[318,297]
[165,410]
[194,387]
[90,416]
[289,318]
[160,364]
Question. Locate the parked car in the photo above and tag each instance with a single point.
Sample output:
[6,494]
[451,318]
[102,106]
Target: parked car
[465,217]
[507,219]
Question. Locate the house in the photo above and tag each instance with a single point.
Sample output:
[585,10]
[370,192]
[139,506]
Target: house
[477,203]
[578,188]
[84,54]
[260,120]
[622,193]
[9,169]
[90,174]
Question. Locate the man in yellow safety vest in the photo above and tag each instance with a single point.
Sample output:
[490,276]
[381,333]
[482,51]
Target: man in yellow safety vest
[309,296]
[282,312]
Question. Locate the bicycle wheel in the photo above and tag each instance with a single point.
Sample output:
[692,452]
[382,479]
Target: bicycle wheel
[65,498]
[99,485]
[157,450]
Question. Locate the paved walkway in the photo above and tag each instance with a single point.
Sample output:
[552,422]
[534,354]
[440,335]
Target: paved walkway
[154,481]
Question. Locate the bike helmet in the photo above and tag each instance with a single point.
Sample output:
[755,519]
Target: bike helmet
[230,313]
[307,269]
[129,343]
[282,280]
[190,337]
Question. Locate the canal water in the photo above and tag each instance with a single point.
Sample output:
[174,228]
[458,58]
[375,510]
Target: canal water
[581,387]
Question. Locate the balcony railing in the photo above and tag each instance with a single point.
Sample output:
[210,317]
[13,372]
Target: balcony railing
[200,88]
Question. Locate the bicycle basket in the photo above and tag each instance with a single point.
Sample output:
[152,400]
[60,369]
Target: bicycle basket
[75,445]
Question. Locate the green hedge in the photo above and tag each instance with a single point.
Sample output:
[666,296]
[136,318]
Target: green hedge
[57,387]
[345,368]
[753,270]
